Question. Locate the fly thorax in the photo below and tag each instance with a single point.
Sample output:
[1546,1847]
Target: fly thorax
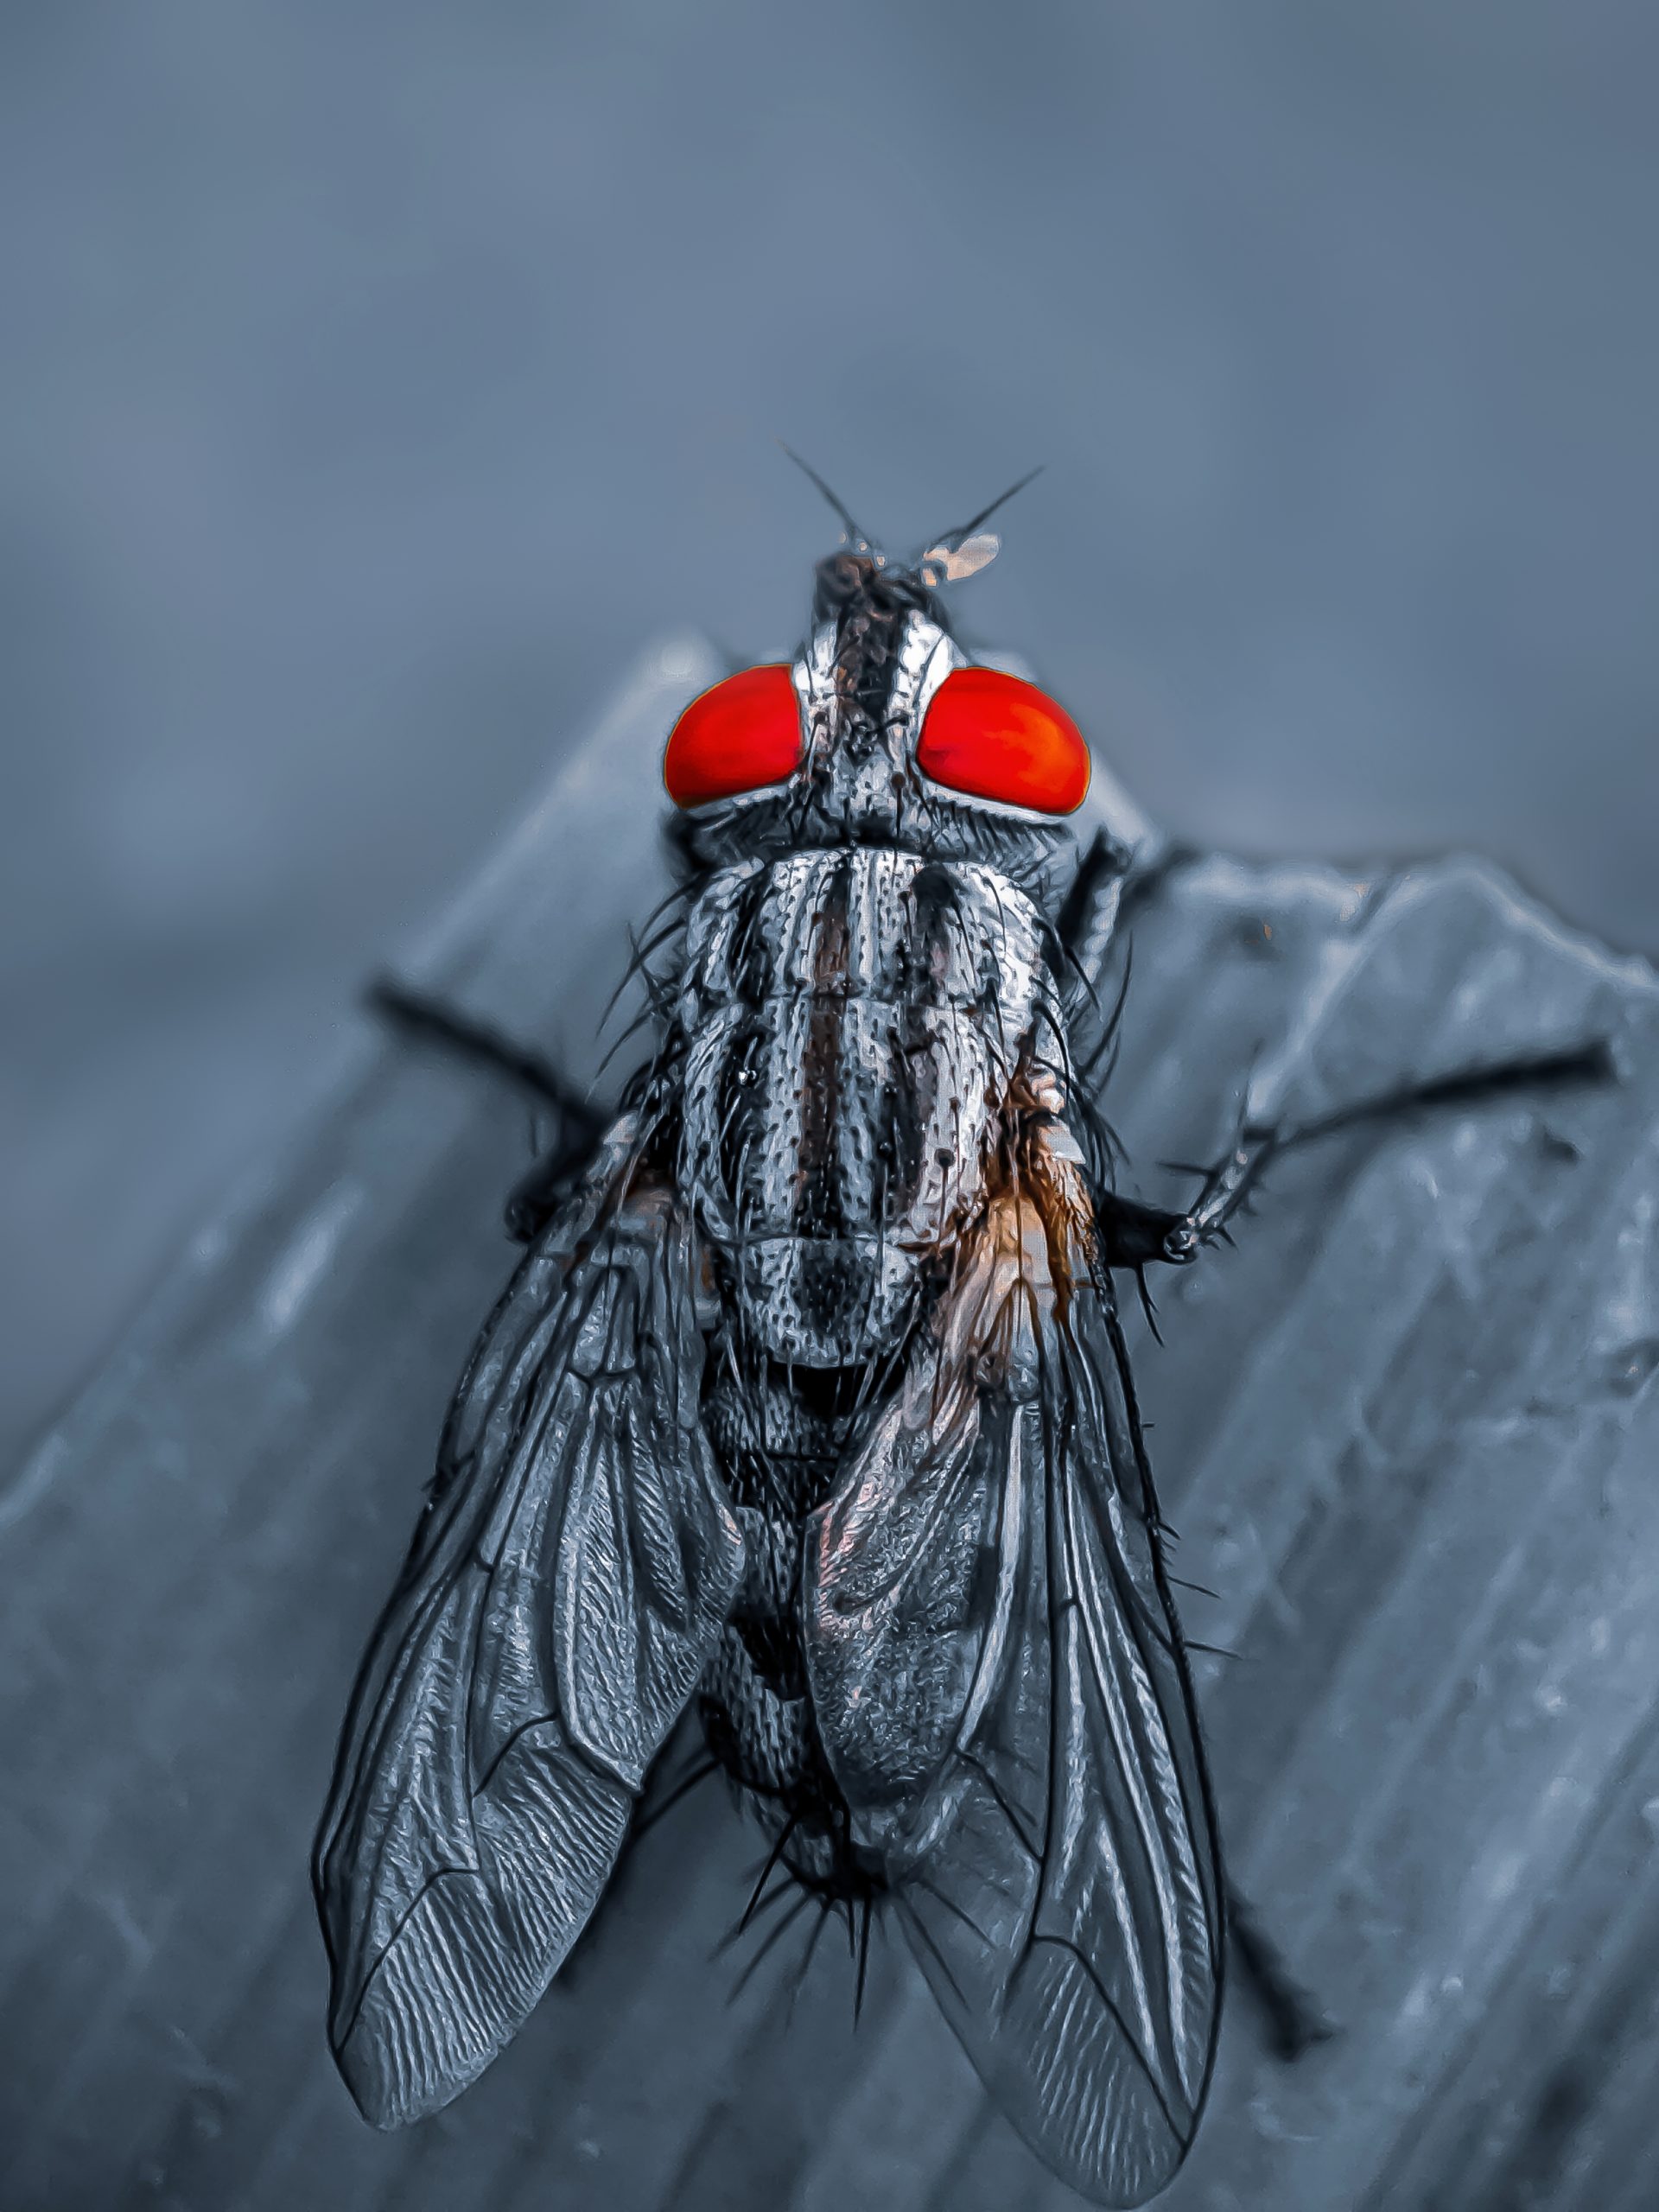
[853,1018]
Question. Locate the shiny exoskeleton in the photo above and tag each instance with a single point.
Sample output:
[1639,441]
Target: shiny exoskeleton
[809,1409]
[869,966]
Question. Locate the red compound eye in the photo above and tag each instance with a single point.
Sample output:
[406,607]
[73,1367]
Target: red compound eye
[994,737]
[741,736]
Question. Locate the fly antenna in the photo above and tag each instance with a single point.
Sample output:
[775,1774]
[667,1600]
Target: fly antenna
[965,551]
[859,538]
[1000,501]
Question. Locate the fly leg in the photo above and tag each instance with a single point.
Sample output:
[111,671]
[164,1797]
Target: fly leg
[576,1126]
[1089,912]
[1134,1235]
[1296,2021]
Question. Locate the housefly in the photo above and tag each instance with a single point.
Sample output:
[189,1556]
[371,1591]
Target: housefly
[809,1409]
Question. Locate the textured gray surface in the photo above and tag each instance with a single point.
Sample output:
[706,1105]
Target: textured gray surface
[1406,1432]
[374,377]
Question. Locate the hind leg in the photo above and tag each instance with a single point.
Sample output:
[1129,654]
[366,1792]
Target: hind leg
[1133,1236]
[1296,2020]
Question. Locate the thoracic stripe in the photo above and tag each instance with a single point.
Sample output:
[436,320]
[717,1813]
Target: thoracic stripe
[852,1018]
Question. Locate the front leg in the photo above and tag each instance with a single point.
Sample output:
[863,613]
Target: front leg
[577,1123]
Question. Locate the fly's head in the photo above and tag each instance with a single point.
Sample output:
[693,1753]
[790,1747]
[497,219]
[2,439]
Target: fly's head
[880,732]
[878,650]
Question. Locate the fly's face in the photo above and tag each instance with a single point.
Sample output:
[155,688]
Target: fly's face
[863,702]
[880,732]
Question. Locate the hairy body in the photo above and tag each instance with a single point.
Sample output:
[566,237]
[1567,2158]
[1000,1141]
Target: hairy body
[854,1014]
[809,1409]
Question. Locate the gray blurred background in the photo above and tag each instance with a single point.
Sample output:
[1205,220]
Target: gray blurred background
[374,380]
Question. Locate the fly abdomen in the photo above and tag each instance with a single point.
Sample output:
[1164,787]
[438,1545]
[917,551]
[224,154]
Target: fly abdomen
[779,1445]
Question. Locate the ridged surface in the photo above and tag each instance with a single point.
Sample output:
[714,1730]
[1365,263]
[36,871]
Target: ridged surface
[1408,1434]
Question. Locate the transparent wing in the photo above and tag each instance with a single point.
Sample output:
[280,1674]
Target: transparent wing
[563,1591]
[999,1679]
